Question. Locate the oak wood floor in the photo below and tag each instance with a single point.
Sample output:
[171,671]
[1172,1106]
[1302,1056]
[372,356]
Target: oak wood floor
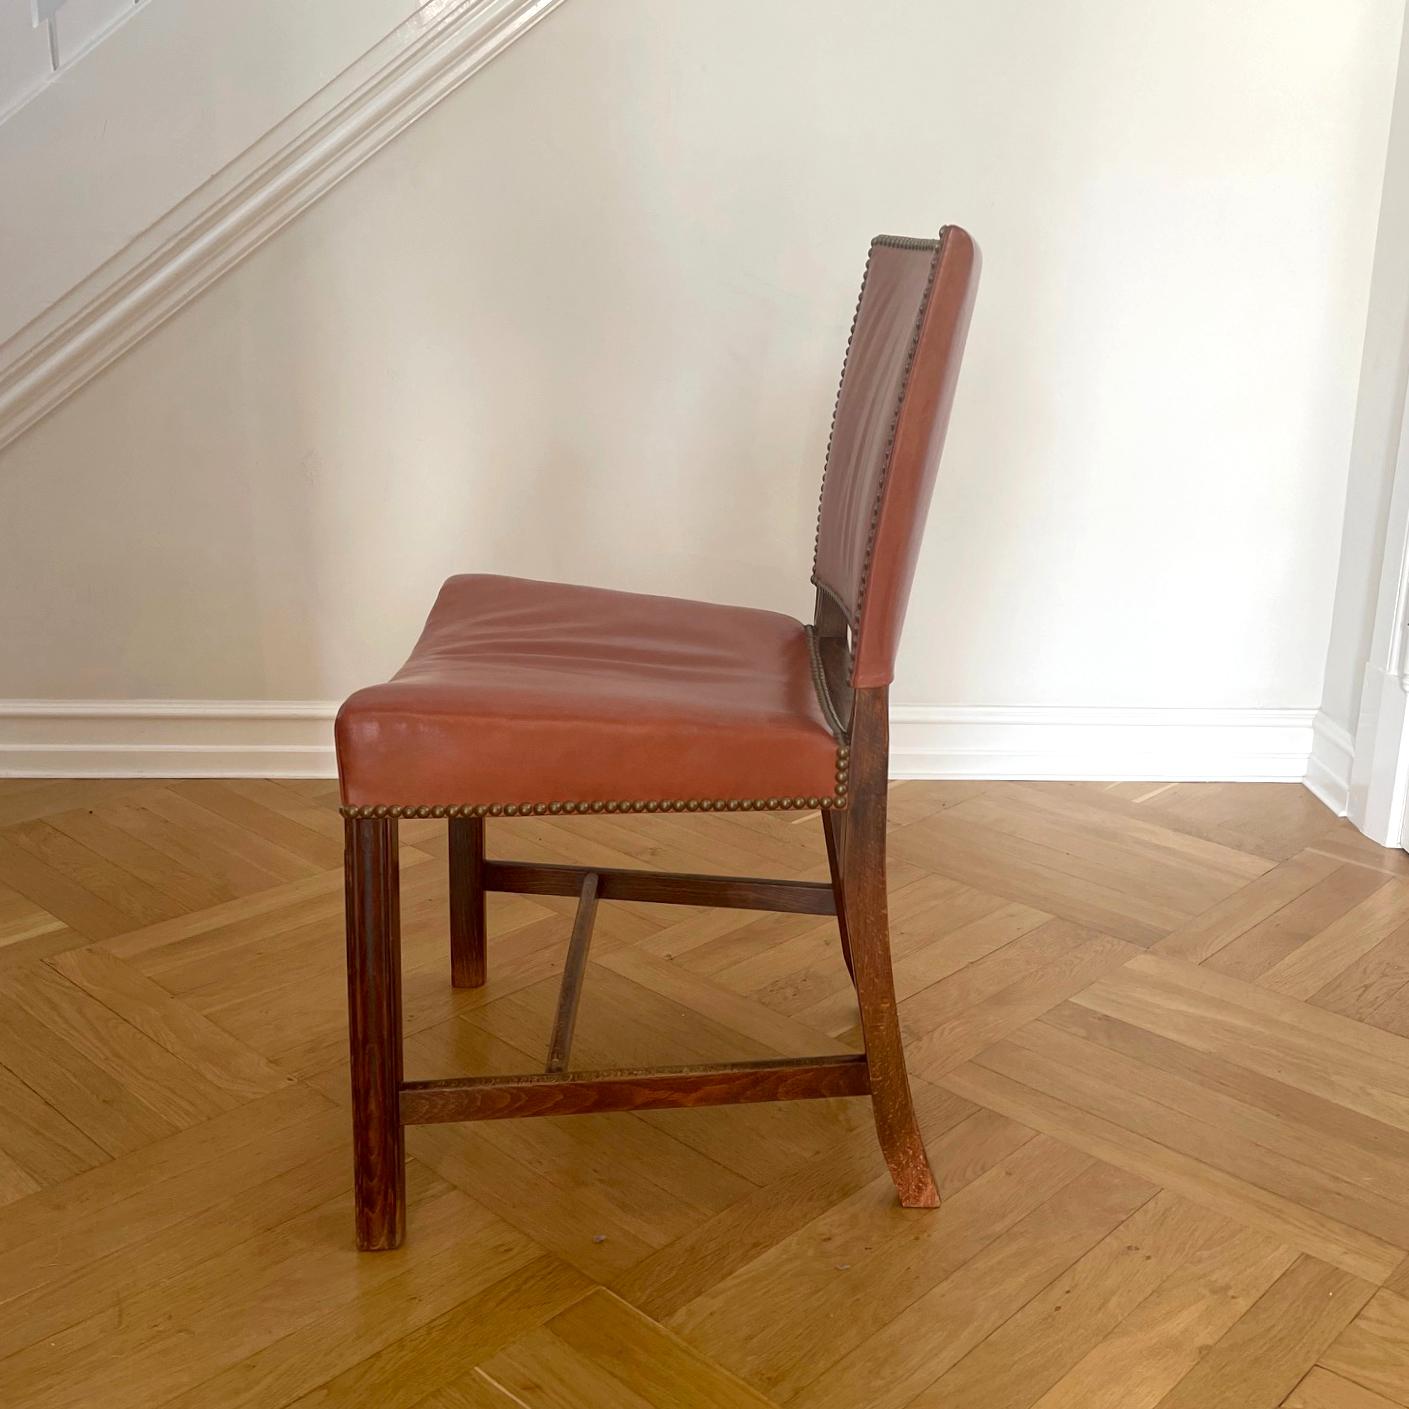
[1160,1042]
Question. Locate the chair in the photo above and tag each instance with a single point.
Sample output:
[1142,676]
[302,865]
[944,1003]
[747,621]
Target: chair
[531,698]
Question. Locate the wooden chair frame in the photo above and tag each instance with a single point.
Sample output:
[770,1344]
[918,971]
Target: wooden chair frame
[384,1103]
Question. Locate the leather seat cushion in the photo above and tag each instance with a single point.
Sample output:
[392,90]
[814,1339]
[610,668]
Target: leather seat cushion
[527,693]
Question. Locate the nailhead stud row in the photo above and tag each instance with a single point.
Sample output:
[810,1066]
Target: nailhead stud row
[553,809]
[896,242]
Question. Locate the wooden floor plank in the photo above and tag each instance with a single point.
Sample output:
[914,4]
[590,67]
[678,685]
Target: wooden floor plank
[602,1352]
[1271,1151]
[62,1232]
[1370,985]
[1323,1390]
[1254,904]
[685,1269]
[21,921]
[271,824]
[174,1335]
[1167,1335]
[59,893]
[1336,1139]
[1277,938]
[187,890]
[1358,1066]
[1301,1227]
[1031,1351]
[984,1023]
[1159,1038]
[1183,872]
[1371,1351]
[1265,1353]
[173,1026]
[931,1335]
[847,1273]
[176,1091]
[405,1337]
[1035,875]
[36,1139]
[1310,968]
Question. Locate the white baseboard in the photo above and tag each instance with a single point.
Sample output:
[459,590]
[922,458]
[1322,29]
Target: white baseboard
[1328,769]
[1211,745]
[166,739]
[293,738]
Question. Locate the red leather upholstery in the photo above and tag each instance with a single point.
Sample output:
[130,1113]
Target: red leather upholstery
[891,415]
[522,692]
[537,696]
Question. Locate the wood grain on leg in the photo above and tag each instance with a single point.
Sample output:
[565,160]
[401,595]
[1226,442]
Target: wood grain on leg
[868,931]
[374,1031]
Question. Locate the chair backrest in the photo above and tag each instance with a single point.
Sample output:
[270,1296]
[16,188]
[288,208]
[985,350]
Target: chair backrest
[897,386]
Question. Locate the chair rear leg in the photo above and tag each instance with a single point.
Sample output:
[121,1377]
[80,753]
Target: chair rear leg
[868,930]
[834,829]
[868,925]
[374,1029]
[468,936]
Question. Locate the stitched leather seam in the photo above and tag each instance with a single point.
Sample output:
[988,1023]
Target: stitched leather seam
[819,683]
[895,242]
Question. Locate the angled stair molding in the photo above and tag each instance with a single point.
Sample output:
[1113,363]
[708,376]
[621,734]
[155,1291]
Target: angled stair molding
[395,82]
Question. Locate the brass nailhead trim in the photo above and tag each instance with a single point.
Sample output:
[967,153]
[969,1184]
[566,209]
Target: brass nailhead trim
[836,406]
[538,809]
[905,242]
[893,242]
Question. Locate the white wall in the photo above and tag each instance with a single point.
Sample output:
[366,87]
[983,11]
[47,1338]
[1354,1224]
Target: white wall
[1379,416]
[1360,763]
[129,128]
[40,38]
[584,321]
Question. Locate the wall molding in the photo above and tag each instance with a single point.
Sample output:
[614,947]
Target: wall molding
[1329,767]
[1107,744]
[293,738]
[299,160]
[166,738]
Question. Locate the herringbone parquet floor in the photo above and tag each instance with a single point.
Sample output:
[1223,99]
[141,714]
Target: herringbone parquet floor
[1160,1039]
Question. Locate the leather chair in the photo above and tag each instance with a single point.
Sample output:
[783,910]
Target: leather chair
[530,698]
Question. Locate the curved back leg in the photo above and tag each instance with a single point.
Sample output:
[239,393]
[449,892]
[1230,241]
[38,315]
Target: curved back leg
[863,895]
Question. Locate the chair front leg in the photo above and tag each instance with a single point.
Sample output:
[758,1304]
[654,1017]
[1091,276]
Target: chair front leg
[468,936]
[868,930]
[374,1029]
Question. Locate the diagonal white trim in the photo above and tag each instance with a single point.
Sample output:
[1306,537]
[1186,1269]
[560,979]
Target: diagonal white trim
[397,81]
[293,738]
